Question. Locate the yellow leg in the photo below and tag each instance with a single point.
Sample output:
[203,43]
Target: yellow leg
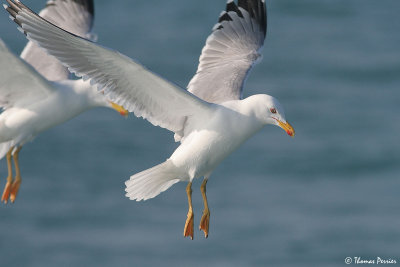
[205,219]
[188,231]
[7,188]
[17,180]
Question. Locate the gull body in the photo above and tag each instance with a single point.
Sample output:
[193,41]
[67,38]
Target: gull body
[210,118]
[70,98]
[35,93]
[217,135]
[206,142]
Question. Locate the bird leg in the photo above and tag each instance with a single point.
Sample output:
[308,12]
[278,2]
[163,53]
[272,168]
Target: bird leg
[7,188]
[205,219]
[188,231]
[17,180]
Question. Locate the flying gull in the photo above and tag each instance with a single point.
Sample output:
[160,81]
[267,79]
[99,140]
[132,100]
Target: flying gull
[38,97]
[210,119]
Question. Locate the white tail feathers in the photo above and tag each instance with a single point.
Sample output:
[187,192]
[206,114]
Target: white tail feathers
[151,182]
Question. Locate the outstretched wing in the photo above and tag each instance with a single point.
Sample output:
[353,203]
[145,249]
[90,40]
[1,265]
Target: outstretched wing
[230,51]
[75,16]
[15,75]
[123,80]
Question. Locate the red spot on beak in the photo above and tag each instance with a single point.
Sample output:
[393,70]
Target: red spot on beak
[286,127]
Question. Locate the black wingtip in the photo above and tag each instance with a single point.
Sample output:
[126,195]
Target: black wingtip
[90,5]
[256,9]
[224,17]
[231,6]
[87,4]
[13,9]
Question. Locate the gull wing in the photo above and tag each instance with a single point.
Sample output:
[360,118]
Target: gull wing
[230,51]
[20,84]
[75,16]
[123,80]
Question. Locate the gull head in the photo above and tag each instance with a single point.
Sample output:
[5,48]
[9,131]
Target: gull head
[268,109]
[94,97]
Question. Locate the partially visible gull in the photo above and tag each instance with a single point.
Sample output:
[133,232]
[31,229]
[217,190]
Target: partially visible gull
[73,16]
[31,98]
[210,119]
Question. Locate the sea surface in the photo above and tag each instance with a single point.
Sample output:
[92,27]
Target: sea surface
[331,192]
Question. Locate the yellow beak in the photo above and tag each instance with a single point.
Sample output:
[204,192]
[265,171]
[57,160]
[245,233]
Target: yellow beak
[287,127]
[120,109]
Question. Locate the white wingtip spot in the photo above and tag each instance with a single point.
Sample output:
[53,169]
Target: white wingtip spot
[216,26]
[21,30]
[5,6]
[92,37]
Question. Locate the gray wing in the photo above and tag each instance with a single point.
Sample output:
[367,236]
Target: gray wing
[75,16]
[230,51]
[20,84]
[123,80]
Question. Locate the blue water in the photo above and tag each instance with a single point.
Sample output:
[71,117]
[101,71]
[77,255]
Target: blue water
[329,193]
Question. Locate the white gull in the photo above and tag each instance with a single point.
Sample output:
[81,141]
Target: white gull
[37,97]
[210,119]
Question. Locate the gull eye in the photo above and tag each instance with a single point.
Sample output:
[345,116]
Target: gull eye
[273,110]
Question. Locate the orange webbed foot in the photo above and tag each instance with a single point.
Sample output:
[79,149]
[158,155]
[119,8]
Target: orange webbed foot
[189,229]
[205,222]
[14,190]
[6,192]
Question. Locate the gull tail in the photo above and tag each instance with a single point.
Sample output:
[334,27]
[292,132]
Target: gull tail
[151,182]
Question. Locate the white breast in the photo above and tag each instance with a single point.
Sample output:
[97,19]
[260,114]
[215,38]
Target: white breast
[205,147]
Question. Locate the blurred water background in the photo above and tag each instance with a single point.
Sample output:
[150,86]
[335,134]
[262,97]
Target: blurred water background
[331,192]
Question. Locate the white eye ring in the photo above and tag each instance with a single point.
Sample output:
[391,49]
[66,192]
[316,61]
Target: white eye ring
[273,110]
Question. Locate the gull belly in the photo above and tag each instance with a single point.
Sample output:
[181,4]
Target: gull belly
[213,140]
